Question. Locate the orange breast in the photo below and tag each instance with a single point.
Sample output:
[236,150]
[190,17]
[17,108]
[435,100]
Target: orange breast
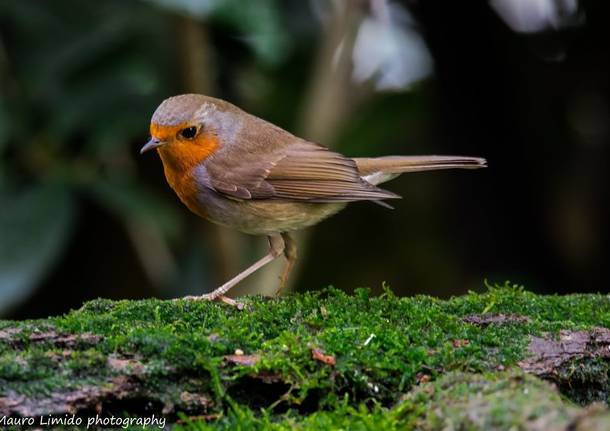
[180,157]
[186,188]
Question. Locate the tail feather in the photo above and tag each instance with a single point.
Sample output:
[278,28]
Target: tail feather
[377,170]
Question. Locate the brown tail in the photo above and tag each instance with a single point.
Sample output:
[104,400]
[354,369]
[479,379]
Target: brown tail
[377,170]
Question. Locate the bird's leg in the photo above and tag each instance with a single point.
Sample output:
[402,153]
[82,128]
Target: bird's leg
[290,251]
[276,247]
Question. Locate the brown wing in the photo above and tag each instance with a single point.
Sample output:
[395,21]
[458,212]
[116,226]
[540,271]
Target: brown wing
[301,171]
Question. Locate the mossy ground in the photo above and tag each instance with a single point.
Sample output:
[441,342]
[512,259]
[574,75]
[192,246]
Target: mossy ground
[320,360]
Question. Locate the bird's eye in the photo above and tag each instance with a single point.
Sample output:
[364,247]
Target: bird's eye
[188,132]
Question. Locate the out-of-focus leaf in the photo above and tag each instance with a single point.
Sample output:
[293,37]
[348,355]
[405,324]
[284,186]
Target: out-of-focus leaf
[261,25]
[258,22]
[92,104]
[35,226]
[390,51]
[531,16]
[132,202]
[196,8]
[89,73]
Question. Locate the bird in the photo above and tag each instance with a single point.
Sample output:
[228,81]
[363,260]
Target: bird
[240,171]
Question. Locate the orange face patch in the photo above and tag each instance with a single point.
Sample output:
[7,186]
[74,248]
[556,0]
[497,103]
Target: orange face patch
[165,133]
[181,155]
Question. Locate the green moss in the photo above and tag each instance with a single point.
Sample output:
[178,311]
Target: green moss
[586,380]
[344,416]
[383,346]
[492,401]
[463,401]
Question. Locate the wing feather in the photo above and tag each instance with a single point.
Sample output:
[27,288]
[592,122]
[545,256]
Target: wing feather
[301,171]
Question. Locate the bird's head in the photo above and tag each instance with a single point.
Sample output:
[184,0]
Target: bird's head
[189,128]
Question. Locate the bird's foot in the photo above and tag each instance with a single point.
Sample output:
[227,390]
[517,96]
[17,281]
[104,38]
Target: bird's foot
[281,286]
[283,279]
[212,297]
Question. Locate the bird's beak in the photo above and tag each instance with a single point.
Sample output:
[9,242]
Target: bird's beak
[151,145]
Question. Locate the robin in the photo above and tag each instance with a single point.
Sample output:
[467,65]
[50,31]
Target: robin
[240,171]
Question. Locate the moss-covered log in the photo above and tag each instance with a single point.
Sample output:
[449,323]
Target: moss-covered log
[503,358]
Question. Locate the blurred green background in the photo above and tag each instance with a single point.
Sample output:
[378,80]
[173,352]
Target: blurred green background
[525,84]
